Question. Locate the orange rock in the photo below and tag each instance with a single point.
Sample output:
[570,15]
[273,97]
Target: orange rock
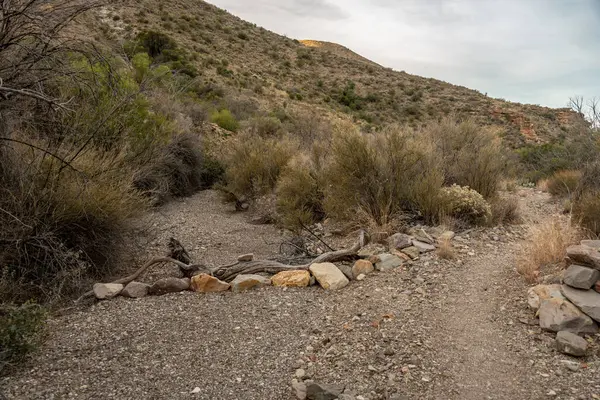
[294,278]
[205,283]
[362,267]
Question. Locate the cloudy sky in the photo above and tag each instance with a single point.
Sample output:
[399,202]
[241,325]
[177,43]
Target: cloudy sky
[531,51]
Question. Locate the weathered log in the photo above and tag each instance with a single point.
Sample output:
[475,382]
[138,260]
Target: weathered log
[229,272]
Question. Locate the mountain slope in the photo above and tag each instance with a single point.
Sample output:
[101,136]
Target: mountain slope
[274,71]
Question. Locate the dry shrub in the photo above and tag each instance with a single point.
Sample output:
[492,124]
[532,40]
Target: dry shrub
[586,211]
[505,210]
[465,204]
[564,183]
[546,248]
[445,250]
[470,154]
[253,163]
[180,169]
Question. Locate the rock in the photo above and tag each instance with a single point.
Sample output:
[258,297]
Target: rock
[169,285]
[361,277]
[537,294]
[584,255]
[205,283]
[135,290]
[558,314]
[299,389]
[319,391]
[362,267]
[446,235]
[244,282]
[300,373]
[105,291]
[329,276]
[594,244]
[312,281]
[246,257]
[346,270]
[581,277]
[293,278]
[597,287]
[399,241]
[423,247]
[388,262]
[588,301]
[570,343]
[422,236]
[412,251]
[372,249]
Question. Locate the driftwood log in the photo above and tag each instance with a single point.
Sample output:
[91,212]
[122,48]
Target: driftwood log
[229,272]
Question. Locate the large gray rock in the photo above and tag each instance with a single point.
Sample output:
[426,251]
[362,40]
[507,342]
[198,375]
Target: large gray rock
[423,247]
[105,291]
[169,285]
[594,244]
[539,293]
[329,276]
[584,255]
[588,301]
[388,262]
[581,277]
[558,314]
[570,343]
[319,391]
[247,281]
[399,241]
[135,290]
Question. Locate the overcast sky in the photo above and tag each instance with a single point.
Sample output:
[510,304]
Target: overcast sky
[531,51]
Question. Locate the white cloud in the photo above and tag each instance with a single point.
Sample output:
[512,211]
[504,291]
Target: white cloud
[538,51]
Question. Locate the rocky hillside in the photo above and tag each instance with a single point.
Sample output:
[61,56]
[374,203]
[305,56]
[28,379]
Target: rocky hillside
[274,71]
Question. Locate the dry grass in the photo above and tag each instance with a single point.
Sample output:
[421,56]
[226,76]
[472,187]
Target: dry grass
[505,210]
[445,250]
[564,183]
[546,249]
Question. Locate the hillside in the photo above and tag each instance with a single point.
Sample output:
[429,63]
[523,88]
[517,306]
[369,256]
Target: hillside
[273,71]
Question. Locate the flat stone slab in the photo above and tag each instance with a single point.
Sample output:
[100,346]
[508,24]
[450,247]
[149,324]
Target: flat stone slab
[587,301]
[558,314]
[581,277]
[584,255]
[422,246]
[594,244]
[388,262]
[329,276]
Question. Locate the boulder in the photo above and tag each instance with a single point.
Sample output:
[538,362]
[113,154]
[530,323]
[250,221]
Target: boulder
[105,291]
[570,343]
[135,290]
[329,276]
[558,314]
[588,301]
[581,277]
[205,283]
[244,282]
[399,241]
[388,262]
[584,255]
[346,270]
[246,257]
[169,285]
[594,244]
[537,294]
[293,278]
[422,246]
[412,251]
[319,391]
[363,267]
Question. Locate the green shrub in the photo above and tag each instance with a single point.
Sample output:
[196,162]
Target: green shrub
[20,328]
[225,120]
[564,183]
[253,164]
[465,204]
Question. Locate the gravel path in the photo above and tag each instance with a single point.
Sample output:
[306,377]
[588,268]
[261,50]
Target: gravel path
[433,330]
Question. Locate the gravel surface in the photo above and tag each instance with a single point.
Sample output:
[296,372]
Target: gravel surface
[432,330]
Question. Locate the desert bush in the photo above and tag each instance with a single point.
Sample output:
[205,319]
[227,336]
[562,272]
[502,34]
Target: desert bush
[253,164]
[505,210]
[546,249]
[299,194]
[563,183]
[465,204]
[225,120]
[264,126]
[20,328]
[586,211]
[470,155]
[445,250]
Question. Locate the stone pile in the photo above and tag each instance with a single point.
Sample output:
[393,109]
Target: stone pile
[573,308]
[401,249]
